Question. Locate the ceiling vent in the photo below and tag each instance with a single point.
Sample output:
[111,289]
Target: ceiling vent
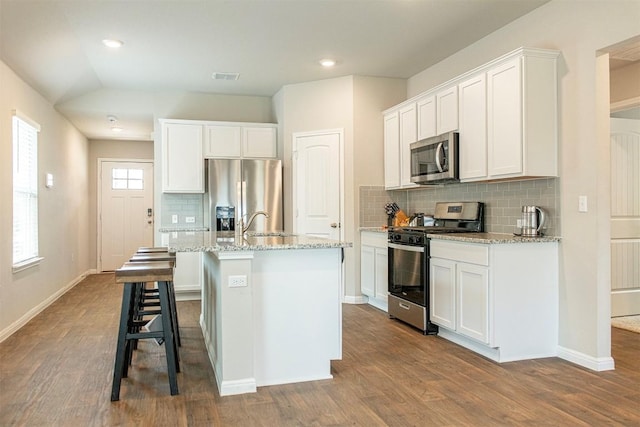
[225,76]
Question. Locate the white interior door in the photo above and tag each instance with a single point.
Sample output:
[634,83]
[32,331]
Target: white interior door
[125,211]
[317,184]
[625,217]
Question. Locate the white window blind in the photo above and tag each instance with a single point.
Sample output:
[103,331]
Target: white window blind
[25,190]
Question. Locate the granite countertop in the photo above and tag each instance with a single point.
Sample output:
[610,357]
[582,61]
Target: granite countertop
[384,229]
[211,241]
[170,229]
[492,238]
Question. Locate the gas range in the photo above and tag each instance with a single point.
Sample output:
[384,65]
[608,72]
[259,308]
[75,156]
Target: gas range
[449,217]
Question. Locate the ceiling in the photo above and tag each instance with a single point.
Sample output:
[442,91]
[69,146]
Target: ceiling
[56,47]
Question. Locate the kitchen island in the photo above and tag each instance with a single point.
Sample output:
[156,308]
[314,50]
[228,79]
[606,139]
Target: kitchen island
[271,306]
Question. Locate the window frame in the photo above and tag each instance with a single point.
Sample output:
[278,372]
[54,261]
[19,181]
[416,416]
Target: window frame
[31,189]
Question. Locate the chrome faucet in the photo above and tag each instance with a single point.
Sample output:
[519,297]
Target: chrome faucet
[253,216]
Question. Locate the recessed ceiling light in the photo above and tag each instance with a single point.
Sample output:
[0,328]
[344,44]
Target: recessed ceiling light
[116,129]
[327,63]
[112,43]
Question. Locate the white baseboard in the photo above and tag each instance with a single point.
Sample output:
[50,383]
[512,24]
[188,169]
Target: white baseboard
[359,299]
[594,363]
[11,329]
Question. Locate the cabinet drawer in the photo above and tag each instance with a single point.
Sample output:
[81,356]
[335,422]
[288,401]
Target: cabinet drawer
[462,252]
[373,238]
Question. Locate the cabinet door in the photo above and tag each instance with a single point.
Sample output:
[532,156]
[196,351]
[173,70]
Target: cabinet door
[504,116]
[426,117]
[473,302]
[381,273]
[447,110]
[473,128]
[408,135]
[259,142]
[187,276]
[182,159]
[367,270]
[222,141]
[442,287]
[392,150]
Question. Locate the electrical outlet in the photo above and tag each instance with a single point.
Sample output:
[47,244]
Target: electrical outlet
[190,219]
[237,281]
[174,219]
[518,223]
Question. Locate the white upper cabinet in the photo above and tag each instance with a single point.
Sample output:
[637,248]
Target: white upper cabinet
[506,112]
[447,110]
[392,150]
[426,107]
[473,128]
[236,140]
[408,135]
[182,164]
[522,117]
[259,142]
[223,141]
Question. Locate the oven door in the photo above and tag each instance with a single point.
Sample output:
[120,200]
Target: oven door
[408,272]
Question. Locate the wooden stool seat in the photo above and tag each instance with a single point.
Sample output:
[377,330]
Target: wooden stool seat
[133,276]
[147,250]
[154,256]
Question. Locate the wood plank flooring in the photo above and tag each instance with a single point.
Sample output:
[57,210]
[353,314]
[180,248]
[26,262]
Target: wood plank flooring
[57,371]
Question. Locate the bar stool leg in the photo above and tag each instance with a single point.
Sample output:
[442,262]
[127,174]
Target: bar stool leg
[121,350]
[169,341]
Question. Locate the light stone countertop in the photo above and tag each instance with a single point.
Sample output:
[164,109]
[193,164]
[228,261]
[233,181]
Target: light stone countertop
[211,241]
[170,229]
[492,238]
[375,229]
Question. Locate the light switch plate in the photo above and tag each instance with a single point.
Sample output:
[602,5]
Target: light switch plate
[582,204]
[174,219]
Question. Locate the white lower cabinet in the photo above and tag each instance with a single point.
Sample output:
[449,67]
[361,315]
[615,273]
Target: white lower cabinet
[187,276]
[374,268]
[460,297]
[500,300]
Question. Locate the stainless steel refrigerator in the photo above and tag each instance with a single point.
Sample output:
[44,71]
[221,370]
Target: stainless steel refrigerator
[240,188]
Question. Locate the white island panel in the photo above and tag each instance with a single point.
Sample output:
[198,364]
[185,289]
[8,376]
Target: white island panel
[297,315]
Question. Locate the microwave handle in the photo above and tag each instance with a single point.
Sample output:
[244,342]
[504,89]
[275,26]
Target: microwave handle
[439,149]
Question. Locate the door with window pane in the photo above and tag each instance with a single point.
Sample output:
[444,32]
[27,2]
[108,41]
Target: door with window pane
[125,217]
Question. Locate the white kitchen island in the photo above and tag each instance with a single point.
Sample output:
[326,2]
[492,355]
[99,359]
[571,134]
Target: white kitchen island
[271,306]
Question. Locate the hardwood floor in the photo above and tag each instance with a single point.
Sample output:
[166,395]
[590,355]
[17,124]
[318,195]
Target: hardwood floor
[57,371]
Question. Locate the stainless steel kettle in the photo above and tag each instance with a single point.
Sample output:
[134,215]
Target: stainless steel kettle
[533,219]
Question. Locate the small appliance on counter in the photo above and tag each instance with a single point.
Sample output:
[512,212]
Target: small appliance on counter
[533,219]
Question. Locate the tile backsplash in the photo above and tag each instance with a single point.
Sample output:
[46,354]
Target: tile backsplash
[183,205]
[503,202]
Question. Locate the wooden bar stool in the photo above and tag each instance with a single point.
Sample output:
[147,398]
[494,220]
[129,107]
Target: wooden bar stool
[146,295]
[133,276]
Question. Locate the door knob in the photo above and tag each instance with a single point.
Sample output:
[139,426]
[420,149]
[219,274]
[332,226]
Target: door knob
[334,225]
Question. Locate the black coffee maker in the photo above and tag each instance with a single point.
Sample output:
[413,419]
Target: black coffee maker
[225,218]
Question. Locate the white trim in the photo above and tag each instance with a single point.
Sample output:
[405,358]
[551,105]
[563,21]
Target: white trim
[594,363]
[11,329]
[26,264]
[625,104]
[19,114]
[100,161]
[358,299]
[230,388]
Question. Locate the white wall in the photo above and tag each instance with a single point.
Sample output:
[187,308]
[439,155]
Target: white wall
[63,209]
[352,103]
[578,31]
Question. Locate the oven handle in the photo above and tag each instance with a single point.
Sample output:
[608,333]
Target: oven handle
[406,247]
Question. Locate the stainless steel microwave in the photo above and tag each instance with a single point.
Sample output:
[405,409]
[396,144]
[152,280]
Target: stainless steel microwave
[435,160]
